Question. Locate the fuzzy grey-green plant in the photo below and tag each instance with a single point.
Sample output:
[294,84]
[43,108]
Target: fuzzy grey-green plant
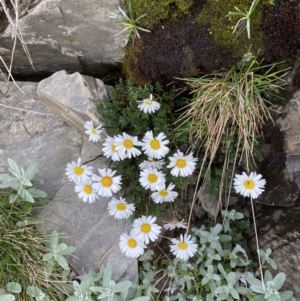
[20,181]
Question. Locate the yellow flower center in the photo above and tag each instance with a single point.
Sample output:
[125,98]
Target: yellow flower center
[146,228]
[155,144]
[163,193]
[180,163]
[88,189]
[121,206]
[78,170]
[114,148]
[128,143]
[182,246]
[132,243]
[106,181]
[152,178]
[94,131]
[249,184]
[148,102]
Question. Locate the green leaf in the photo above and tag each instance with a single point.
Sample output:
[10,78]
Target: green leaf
[87,281]
[5,177]
[27,196]
[31,170]
[12,183]
[54,239]
[37,193]
[48,256]
[7,297]
[122,286]
[62,261]
[48,267]
[286,295]
[257,289]
[14,168]
[279,281]
[13,197]
[34,291]
[26,206]
[243,290]
[13,287]
[68,250]
[141,299]
[107,275]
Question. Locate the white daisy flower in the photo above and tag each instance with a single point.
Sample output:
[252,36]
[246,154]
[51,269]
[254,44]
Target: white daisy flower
[93,132]
[148,105]
[164,194]
[86,192]
[110,149]
[78,173]
[145,229]
[125,145]
[184,247]
[151,163]
[151,178]
[120,209]
[106,184]
[175,223]
[252,185]
[131,245]
[182,165]
[155,147]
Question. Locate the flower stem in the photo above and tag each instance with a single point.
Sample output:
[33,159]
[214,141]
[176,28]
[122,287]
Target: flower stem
[257,246]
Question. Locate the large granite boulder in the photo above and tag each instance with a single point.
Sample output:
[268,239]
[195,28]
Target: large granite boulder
[73,35]
[31,131]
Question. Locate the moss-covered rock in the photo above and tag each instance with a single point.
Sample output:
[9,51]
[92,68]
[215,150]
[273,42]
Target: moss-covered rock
[159,10]
[196,36]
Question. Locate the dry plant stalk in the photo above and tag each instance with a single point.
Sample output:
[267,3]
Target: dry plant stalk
[16,35]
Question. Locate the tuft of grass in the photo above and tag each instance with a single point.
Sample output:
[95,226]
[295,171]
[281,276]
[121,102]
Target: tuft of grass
[232,103]
[22,249]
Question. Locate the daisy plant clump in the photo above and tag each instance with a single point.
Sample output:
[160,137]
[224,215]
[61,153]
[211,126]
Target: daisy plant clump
[155,168]
[140,142]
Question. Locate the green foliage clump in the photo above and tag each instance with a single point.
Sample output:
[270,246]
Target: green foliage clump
[219,270]
[22,248]
[159,10]
[29,270]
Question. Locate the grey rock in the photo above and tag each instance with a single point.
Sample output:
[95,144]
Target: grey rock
[290,124]
[71,97]
[279,229]
[30,131]
[280,189]
[73,35]
[211,204]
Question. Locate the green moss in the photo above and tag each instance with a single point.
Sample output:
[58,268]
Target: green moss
[221,26]
[159,10]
